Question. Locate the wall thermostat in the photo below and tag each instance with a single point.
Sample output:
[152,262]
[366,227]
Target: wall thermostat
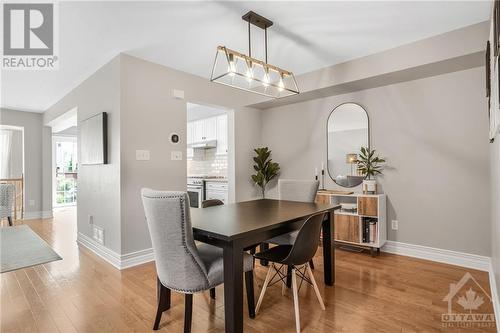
[174,138]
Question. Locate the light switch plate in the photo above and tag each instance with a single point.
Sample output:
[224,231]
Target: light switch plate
[176,155]
[142,155]
[32,202]
[394,224]
[179,94]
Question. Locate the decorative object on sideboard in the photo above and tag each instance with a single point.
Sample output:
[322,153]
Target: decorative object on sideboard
[347,130]
[244,72]
[266,169]
[369,165]
[351,159]
[322,176]
[349,207]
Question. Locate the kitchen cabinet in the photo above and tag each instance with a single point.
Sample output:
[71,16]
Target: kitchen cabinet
[202,130]
[208,129]
[216,190]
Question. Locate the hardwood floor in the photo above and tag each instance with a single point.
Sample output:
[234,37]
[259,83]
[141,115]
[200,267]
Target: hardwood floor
[83,293]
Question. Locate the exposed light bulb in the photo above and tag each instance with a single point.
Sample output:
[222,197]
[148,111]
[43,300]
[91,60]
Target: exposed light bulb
[249,73]
[232,65]
[281,84]
[265,79]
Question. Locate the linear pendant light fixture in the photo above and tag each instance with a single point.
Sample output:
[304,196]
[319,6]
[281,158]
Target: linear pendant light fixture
[241,71]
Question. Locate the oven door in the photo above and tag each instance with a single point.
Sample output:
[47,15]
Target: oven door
[195,194]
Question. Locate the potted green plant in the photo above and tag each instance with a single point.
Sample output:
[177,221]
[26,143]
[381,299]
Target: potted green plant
[369,165]
[265,168]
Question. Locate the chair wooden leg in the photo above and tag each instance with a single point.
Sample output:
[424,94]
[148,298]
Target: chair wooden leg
[296,300]
[9,218]
[316,290]
[163,295]
[283,288]
[188,312]
[266,282]
[250,294]
[212,293]
[311,264]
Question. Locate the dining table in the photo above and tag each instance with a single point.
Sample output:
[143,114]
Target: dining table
[238,226]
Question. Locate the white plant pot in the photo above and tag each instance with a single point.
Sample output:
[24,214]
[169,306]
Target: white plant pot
[369,186]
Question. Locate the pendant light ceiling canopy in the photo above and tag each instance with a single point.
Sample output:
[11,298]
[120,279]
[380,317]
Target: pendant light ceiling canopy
[241,71]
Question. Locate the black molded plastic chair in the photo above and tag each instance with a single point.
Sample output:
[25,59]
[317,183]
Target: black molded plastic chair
[297,256]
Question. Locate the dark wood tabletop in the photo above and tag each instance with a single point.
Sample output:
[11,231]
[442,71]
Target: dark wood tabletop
[237,226]
[233,221]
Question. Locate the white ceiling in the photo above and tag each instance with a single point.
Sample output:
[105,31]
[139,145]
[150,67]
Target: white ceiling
[184,35]
[197,111]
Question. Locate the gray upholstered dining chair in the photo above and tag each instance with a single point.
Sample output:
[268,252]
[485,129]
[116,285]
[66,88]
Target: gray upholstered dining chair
[181,264]
[294,190]
[7,193]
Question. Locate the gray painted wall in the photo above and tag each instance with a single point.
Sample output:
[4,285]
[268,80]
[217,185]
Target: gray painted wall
[16,154]
[141,115]
[98,185]
[35,135]
[434,134]
[149,114]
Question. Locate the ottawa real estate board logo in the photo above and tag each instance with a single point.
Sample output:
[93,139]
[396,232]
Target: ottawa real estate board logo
[30,36]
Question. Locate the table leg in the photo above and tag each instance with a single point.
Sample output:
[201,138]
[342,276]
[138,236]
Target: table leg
[233,288]
[329,249]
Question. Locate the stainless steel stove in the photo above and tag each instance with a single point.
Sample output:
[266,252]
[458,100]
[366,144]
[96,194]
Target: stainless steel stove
[196,188]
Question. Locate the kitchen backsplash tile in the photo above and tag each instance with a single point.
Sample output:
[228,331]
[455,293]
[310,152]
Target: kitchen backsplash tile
[207,162]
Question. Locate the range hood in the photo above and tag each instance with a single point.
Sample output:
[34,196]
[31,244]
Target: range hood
[203,144]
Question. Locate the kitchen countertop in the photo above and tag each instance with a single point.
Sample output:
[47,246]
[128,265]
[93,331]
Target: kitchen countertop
[217,180]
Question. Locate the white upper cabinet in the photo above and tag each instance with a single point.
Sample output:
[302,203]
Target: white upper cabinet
[210,128]
[213,128]
[198,131]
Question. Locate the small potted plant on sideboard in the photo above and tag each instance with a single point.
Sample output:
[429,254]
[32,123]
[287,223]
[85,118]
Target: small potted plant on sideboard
[369,165]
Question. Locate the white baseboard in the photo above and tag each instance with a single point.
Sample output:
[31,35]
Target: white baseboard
[495,296]
[137,258]
[118,261]
[468,260]
[47,214]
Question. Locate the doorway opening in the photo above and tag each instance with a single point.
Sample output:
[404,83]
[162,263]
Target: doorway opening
[65,159]
[12,165]
[209,154]
[66,170]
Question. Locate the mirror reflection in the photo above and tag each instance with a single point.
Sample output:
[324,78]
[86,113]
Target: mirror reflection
[347,133]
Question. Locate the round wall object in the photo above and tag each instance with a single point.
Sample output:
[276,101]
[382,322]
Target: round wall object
[175,138]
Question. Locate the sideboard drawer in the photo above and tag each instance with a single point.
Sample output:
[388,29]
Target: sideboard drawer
[347,228]
[368,206]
